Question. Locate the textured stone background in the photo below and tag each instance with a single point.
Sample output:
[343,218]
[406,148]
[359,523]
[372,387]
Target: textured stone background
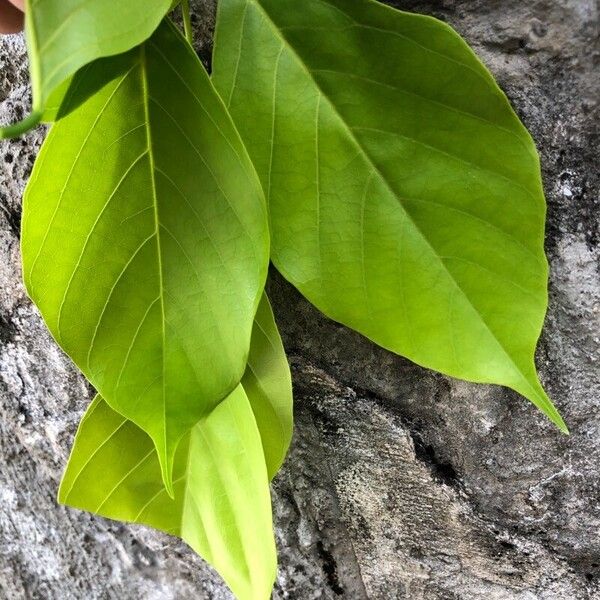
[401,483]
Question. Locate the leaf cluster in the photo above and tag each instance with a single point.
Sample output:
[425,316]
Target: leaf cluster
[365,151]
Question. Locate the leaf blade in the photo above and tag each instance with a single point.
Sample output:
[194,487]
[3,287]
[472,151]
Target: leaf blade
[220,459]
[268,384]
[152,283]
[63,36]
[414,184]
[234,536]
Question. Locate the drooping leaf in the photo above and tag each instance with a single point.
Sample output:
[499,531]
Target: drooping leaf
[404,193]
[221,492]
[268,384]
[221,506]
[64,35]
[145,239]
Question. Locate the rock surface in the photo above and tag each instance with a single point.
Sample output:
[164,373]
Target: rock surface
[401,483]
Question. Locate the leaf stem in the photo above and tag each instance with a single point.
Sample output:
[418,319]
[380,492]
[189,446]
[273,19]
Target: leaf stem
[12,131]
[187,21]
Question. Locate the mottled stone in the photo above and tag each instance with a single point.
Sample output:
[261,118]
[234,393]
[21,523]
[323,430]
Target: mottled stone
[401,483]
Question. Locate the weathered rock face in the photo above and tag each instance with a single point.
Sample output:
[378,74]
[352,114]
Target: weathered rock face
[401,483]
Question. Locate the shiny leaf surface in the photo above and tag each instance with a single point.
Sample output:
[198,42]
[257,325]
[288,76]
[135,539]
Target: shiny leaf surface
[148,267]
[404,194]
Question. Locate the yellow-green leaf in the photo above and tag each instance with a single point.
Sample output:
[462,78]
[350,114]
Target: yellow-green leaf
[221,505]
[64,35]
[268,383]
[145,239]
[404,193]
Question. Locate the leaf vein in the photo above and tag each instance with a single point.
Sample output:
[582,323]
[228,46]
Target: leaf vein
[89,236]
[71,171]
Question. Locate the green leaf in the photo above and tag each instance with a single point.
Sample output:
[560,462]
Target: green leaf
[145,239]
[268,383]
[221,506]
[64,35]
[404,194]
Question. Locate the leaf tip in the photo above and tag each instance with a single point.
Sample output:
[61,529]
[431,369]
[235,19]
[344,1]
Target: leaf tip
[169,489]
[552,413]
[166,468]
[562,426]
[543,402]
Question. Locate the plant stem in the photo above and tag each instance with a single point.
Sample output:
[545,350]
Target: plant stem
[12,131]
[187,21]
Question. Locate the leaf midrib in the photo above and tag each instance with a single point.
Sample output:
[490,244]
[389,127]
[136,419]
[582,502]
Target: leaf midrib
[389,187]
[152,169]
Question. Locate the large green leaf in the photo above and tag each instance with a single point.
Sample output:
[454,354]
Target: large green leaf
[145,239]
[221,506]
[404,194]
[64,35]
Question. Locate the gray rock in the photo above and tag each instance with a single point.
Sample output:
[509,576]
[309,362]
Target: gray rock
[401,483]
